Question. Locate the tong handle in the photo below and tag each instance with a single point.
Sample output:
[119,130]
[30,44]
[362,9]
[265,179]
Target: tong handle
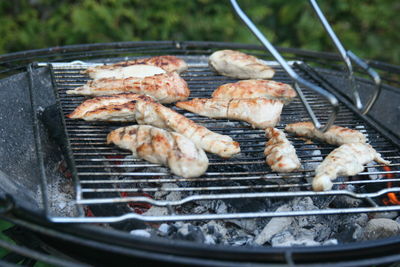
[293,75]
[375,78]
[348,57]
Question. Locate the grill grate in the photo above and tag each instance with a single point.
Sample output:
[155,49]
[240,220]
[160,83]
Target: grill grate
[106,174]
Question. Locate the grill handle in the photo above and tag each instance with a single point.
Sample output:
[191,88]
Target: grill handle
[293,75]
[348,57]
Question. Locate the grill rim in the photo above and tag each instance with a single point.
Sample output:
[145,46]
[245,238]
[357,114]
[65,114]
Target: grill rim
[101,238]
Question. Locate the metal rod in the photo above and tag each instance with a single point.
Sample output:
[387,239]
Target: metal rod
[240,196]
[347,56]
[198,217]
[294,76]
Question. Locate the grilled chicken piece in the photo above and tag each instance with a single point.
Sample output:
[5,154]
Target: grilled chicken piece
[259,112]
[165,88]
[256,88]
[119,107]
[137,71]
[236,64]
[348,159]
[336,135]
[157,115]
[280,153]
[167,63]
[156,145]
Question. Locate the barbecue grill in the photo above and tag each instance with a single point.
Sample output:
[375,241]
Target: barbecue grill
[111,192]
[103,172]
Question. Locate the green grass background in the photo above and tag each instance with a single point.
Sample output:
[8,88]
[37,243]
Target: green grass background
[369,27]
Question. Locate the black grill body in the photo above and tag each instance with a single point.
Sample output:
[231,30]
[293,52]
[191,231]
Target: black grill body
[29,154]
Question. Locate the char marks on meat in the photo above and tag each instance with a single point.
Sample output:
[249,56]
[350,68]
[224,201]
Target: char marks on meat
[259,112]
[165,88]
[155,114]
[137,71]
[280,153]
[167,63]
[236,64]
[119,107]
[254,89]
[348,159]
[156,145]
[336,135]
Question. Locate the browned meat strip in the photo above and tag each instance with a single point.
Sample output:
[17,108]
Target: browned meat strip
[156,145]
[281,155]
[167,63]
[336,135]
[254,89]
[348,159]
[157,115]
[119,107]
[165,88]
[259,112]
[239,65]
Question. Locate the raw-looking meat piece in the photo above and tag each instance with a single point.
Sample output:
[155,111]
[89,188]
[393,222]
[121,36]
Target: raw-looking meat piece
[280,153]
[254,89]
[119,107]
[348,159]
[239,65]
[259,112]
[167,63]
[137,71]
[156,145]
[155,114]
[165,88]
[336,135]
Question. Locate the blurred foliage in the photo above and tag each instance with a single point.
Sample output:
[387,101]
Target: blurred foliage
[370,27]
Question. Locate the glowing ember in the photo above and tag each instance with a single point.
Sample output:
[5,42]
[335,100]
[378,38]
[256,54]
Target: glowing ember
[392,198]
[88,212]
[137,207]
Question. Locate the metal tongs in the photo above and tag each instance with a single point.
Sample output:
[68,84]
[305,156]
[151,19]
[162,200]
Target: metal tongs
[300,81]
[347,57]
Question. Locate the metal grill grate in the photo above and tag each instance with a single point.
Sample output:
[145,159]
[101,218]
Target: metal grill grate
[106,174]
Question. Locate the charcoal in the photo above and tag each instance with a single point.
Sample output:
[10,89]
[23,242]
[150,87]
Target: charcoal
[381,228]
[163,229]
[190,233]
[141,233]
[241,241]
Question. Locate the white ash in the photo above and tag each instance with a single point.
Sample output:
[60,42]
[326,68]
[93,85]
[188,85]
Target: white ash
[386,215]
[276,232]
[286,239]
[140,232]
[168,196]
[248,225]
[330,242]
[314,155]
[60,193]
[216,206]
[156,211]
[163,228]
[274,226]
[380,228]
[372,170]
